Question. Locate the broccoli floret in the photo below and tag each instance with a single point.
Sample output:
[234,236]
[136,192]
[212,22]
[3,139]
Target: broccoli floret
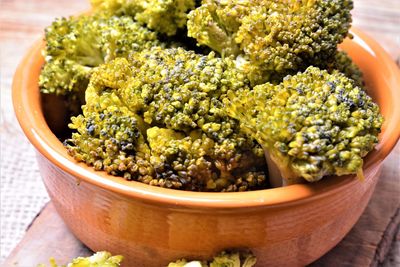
[111,140]
[105,259]
[99,259]
[338,62]
[311,125]
[76,45]
[183,90]
[193,163]
[108,135]
[166,16]
[270,37]
[224,259]
[195,147]
[341,62]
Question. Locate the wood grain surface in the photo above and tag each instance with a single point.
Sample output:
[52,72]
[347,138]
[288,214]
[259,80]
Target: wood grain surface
[368,244]
[370,240]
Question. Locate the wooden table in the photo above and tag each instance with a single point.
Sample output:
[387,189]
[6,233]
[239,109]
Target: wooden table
[375,240]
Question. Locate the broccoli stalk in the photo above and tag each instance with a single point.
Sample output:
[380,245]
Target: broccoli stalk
[312,125]
[279,175]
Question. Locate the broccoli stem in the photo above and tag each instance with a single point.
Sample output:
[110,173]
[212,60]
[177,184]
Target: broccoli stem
[275,176]
[282,175]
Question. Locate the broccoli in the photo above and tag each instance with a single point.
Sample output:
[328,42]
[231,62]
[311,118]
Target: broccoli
[166,16]
[271,37]
[279,91]
[311,125]
[108,135]
[224,259]
[192,144]
[194,163]
[105,259]
[99,259]
[341,62]
[75,46]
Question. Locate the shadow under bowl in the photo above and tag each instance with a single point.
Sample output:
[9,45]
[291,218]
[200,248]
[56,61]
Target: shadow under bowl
[151,226]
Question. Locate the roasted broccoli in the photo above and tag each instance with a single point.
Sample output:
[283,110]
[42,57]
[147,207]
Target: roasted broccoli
[193,144]
[271,37]
[224,259]
[166,16]
[99,259]
[341,62]
[108,135]
[196,162]
[75,45]
[105,259]
[311,125]
[275,87]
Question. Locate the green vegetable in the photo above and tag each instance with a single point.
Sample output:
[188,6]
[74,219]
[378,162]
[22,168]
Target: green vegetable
[271,37]
[105,259]
[158,118]
[341,62]
[166,16]
[222,260]
[108,134]
[275,88]
[311,125]
[76,45]
[99,259]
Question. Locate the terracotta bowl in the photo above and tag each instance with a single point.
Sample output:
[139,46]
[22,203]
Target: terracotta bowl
[151,226]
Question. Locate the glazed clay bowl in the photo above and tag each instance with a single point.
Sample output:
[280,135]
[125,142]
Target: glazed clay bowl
[151,226]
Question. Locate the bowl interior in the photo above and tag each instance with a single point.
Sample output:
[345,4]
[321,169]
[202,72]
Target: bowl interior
[382,78]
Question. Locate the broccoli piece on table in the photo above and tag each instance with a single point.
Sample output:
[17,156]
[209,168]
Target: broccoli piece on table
[99,259]
[311,125]
[338,62]
[166,16]
[179,94]
[271,37]
[105,259]
[224,259]
[76,45]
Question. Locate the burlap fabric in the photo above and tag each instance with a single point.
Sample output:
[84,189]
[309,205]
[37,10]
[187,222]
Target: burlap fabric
[22,191]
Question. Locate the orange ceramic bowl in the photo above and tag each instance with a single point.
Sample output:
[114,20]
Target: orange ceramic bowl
[151,226]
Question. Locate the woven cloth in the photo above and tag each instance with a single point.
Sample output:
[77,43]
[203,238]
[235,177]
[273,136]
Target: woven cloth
[22,191]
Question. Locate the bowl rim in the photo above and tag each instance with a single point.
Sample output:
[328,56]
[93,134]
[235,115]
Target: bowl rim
[26,101]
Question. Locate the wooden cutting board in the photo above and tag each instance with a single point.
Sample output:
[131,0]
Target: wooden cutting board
[369,243]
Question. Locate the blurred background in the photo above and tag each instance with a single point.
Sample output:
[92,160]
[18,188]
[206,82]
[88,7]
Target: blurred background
[21,23]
